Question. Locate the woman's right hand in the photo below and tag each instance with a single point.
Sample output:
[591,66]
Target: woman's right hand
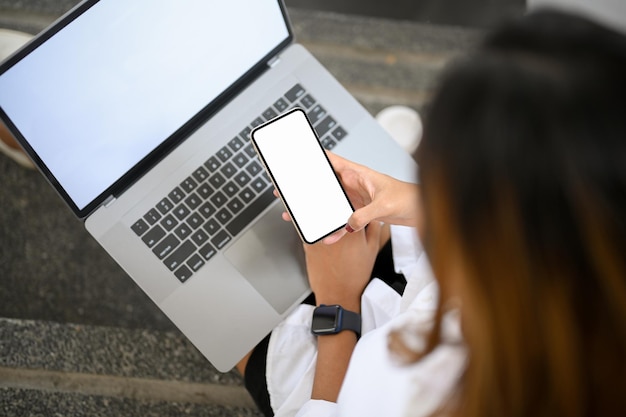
[375,196]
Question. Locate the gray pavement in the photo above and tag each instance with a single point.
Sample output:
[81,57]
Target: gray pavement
[468,13]
[77,336]
[67,369]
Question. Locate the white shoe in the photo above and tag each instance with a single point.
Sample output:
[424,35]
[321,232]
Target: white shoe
[10,41]
[16,155]
[403,124]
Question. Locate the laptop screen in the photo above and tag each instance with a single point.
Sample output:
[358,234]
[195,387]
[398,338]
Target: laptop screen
[112,85]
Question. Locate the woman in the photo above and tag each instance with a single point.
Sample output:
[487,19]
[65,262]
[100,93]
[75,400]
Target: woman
[522,212]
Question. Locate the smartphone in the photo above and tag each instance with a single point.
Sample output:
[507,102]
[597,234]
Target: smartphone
[302,174]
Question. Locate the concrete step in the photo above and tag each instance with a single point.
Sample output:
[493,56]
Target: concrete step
[49,368]
[381,62]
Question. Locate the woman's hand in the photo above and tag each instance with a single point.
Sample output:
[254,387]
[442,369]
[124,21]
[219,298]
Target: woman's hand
[339,273]
[375,196]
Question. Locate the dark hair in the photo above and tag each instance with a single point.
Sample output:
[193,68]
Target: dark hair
[523,170]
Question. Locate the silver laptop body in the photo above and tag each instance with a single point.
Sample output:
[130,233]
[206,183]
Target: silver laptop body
[138,113]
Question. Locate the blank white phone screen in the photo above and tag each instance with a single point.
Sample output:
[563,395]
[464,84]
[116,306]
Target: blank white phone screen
[303,175]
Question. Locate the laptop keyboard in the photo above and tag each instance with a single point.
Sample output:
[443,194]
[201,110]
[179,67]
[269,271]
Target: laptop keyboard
[221,197]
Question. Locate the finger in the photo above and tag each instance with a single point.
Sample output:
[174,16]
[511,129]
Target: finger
[286,217]
[362,217]
[337,161]
[335,237]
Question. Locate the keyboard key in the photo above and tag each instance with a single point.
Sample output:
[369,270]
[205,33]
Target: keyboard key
[181,212]
[328,143]
[228,170]
[307,101]
[242,179]
[316,114]
[195,220]
[223,216]
[195,263]
[218,199]
[254,168]
[207,210]
[176,195]
[152,217]
[281,105]
[182,231]
[164,205]
[224,154]
[269,114]
[200,174]
[230,189]
[199,237]
[325,125]
[212,164]
[339,133]
[183,273]
[256,122]
[189,184]
[169,222]
[235,205]
[259,184]
[241,159]
[211,227]
[247,195]
[204,190]
[249,213]
[235,144]
[140,227]
[249,150]
[294,93]
[217,180]
[193,201]
[153,236]
[207,251]
[178,257]
[245,134]
[166,246]
[221,239]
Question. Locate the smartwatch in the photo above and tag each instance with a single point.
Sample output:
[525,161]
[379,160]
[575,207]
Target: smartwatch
[332,319]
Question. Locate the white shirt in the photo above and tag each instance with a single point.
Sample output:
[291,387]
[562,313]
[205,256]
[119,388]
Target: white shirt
[375,385]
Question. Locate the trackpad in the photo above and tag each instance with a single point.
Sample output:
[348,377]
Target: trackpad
[270,256]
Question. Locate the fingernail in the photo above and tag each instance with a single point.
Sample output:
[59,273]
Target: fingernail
[349,229]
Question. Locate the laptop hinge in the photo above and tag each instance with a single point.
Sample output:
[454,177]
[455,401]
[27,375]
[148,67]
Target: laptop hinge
[272,62]
[110,200]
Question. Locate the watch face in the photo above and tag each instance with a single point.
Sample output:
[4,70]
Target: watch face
[325,319]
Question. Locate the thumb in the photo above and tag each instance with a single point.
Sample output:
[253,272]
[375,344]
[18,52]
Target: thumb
[361,218]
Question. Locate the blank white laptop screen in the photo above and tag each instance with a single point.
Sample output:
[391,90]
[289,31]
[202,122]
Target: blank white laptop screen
[110,87]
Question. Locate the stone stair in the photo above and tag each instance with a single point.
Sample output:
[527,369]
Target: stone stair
[49,368]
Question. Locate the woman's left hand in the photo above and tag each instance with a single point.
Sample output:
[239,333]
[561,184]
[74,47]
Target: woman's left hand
[339,273]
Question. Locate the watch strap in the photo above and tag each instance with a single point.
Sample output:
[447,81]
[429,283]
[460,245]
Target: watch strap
[351,321]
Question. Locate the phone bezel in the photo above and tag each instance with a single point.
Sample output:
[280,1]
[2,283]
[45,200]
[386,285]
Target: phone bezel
[294,218]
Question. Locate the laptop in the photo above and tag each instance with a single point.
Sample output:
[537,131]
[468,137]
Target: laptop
[138,114]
